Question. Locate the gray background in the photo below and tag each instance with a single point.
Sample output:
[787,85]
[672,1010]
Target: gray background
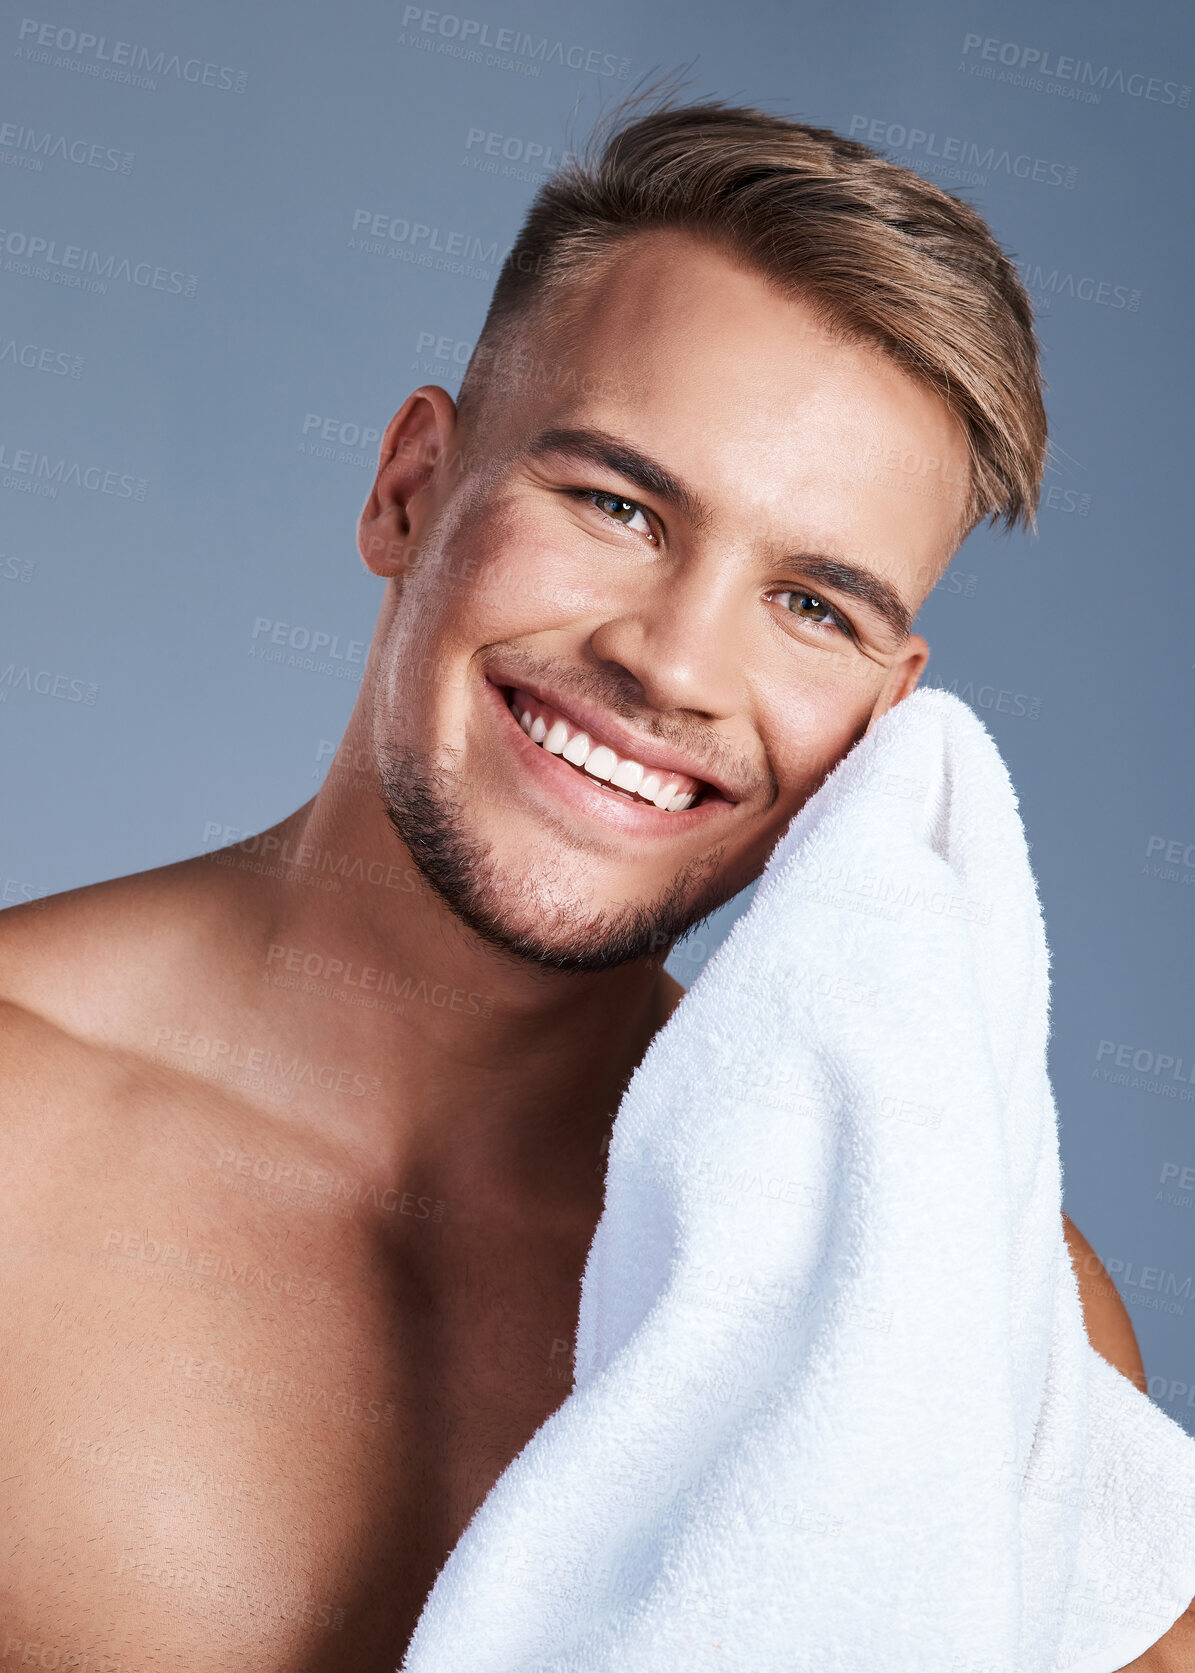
[204,414]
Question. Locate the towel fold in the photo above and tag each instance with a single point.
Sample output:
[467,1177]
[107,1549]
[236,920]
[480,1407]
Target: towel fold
[834,1404]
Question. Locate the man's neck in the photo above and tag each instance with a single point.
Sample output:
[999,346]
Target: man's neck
[498,1076]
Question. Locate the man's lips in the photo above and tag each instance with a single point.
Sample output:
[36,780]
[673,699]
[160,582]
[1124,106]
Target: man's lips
[671,792]
[627,814]
[604,728]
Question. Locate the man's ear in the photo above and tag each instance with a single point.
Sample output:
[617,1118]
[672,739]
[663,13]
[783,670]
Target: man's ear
[418,442]
[902,677]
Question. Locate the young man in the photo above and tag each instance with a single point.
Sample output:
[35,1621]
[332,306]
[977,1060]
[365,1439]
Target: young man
[298,1181]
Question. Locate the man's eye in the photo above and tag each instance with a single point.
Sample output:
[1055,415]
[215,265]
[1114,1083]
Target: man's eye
[619,510]
[810,608]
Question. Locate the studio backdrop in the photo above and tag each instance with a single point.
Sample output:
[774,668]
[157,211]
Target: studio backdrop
[233,239]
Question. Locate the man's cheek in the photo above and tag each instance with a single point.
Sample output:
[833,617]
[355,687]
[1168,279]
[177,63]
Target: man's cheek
[807,739]
[529,586]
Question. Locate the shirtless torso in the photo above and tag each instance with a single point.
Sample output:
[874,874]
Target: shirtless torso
[252,1383]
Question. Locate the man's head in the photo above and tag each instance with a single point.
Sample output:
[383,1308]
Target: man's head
[742,390]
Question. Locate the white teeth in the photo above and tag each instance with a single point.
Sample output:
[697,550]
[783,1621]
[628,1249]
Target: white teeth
[601,761]
[577,748]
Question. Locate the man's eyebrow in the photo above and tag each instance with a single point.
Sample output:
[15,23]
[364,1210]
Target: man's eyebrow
[598,447]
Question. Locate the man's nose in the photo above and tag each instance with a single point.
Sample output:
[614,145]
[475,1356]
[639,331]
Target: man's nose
[680,637]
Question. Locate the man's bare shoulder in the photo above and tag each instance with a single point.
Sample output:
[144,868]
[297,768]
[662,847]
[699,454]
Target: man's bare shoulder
[83,959]
[39,1064]
[82,975]
[63,1095]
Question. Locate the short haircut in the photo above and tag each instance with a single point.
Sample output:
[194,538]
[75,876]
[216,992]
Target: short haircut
[881,255]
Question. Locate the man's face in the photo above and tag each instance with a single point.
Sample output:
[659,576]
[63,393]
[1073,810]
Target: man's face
[682,536]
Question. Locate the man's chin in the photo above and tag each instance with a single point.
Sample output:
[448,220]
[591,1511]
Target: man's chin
[525,917]
[583,946]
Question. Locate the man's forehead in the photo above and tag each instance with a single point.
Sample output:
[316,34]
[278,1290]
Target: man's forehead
[666,296]
[707,340]
[670,291]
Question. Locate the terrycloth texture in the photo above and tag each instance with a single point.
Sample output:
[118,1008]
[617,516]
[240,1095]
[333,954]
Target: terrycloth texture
[835,1407]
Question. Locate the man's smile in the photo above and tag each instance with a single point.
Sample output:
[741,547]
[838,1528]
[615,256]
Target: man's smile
[671,792]
[589,764]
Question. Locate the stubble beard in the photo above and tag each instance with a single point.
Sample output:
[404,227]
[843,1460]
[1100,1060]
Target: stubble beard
[509,912]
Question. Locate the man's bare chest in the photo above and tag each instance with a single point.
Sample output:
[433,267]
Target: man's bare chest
[238,1428]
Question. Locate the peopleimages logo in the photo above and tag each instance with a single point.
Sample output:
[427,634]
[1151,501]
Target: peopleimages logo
[1043,287]
[381,226]
[72,264]
[510,157]
[38,473]
[1144,1070]
[125,61]
[1078,78]
[44,682]
[36,357]
[325,647]
[504,48]
[30,149]
[512,149]
[341,440]
[954,156]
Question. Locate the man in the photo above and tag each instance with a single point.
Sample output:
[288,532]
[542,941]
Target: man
[298,1182]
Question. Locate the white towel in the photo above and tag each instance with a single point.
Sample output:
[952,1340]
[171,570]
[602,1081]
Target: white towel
[835,1407]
